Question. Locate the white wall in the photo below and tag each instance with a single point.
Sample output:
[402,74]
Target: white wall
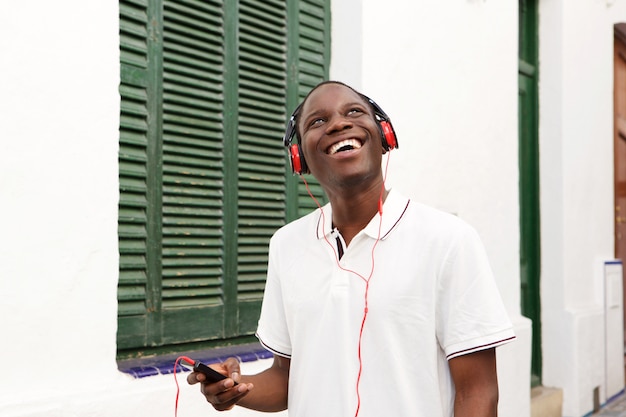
[447,76]
[58,190]
[576,148]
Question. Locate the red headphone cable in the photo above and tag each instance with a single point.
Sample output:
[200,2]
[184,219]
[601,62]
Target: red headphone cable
[178,360]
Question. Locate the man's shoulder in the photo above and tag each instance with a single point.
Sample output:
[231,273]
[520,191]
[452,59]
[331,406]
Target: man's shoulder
[436,222]
[434,216]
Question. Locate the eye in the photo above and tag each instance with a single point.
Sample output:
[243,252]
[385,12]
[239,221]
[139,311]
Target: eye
[355,111]
[317,121]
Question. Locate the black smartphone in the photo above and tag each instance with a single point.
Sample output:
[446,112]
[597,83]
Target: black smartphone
[211,374]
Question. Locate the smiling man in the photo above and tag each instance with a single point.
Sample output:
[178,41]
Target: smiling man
[374,304]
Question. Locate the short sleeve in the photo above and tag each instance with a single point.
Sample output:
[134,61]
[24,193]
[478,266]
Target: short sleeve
[273,330]
[470,313]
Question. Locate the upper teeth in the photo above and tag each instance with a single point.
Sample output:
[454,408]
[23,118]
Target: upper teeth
[348,142]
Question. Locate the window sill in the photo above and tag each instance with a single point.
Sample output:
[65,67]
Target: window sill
[164,364]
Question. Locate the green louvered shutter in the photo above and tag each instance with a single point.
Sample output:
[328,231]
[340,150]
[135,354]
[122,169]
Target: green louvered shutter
[193,142]
[135,92]
[262,94]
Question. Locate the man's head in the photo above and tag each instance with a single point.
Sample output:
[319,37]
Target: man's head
[340,131]
[298,128]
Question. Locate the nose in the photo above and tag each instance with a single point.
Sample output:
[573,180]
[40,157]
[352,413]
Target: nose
[338,123]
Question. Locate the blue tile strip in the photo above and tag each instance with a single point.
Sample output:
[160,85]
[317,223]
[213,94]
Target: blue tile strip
[613,407]
[164,365]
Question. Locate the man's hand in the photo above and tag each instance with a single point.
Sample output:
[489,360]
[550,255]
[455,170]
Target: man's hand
[224,394]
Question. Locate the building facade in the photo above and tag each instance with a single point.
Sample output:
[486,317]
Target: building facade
[503,110]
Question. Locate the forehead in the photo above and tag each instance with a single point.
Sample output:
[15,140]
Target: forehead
[329,94]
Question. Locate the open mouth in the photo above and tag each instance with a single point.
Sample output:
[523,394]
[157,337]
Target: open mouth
[344,145]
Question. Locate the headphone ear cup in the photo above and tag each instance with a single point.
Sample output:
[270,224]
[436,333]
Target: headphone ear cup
[388,135]
[298,164]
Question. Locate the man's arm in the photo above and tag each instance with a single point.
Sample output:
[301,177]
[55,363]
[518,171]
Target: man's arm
[476,383]
[266,391]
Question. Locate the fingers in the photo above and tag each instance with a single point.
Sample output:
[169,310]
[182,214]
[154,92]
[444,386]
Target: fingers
[226,399]
[192,378]
[231,366]
[199,378]
[224,394]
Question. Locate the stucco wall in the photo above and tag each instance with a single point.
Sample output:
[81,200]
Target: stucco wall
[59,70]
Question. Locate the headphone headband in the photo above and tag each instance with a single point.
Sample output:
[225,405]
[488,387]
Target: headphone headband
[291,130]
[378,111]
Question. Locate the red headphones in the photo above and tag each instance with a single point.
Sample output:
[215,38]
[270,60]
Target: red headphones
[296,156]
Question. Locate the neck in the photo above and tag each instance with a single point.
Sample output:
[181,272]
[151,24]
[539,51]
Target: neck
[353,211]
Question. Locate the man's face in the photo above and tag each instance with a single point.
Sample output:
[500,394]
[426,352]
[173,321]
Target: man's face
[339,136]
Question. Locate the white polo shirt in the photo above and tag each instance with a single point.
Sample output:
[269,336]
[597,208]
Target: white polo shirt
[431,297]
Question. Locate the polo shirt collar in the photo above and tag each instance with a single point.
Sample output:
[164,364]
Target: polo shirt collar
[393,209]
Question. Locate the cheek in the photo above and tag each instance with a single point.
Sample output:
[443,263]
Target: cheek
[308,145]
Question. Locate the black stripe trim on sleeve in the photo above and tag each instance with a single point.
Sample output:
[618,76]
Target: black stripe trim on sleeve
[269,348]
[478,348]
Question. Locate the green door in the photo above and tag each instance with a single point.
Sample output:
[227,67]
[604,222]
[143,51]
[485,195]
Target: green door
[530,253]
